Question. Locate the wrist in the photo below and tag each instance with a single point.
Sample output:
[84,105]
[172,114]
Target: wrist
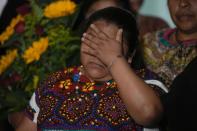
[113,61]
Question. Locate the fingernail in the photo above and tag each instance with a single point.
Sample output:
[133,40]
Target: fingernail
[92,25]
[84,34]
[82,39]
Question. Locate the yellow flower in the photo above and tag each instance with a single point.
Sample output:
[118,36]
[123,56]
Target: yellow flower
[7,60]
[59,8]
[34,52]
[10,29]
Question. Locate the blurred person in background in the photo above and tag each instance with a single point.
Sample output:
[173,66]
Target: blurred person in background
[146,23]
[167,52]
[90,6]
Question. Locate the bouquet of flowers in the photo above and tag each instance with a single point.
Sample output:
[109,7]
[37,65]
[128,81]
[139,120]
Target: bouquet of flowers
[38,41]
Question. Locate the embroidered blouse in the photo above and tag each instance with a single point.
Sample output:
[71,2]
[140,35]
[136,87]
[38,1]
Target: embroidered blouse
[165,58]
[68,100]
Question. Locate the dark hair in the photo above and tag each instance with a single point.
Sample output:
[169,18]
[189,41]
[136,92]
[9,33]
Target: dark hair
[125,20]
[86,4]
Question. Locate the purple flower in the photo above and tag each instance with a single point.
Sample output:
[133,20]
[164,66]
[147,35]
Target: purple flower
[20,27]
[39,30]
[23,9]
[16,77]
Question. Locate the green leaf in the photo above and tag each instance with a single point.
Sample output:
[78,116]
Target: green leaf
[37,11]
[63,51]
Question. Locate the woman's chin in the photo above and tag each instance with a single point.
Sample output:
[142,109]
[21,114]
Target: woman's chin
[96,72]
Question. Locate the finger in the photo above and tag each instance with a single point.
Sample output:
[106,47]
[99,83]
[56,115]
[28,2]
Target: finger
[119,35]
[94,28]
[95,38]
[91,31]
[89,42]
[92,38]
[99,33]
[87,50]
[89,36]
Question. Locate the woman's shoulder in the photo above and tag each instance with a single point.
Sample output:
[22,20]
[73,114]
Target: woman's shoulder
[158,37]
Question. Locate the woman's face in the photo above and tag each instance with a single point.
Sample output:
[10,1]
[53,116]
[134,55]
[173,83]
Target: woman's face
[184,14]
[136,5]
[93,67]
[100,4]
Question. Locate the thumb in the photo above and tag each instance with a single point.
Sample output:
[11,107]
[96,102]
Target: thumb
[119,35]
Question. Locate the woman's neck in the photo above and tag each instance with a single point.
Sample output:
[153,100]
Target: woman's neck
[180,36]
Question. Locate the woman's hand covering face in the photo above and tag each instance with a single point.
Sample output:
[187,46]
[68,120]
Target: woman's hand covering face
[101,45]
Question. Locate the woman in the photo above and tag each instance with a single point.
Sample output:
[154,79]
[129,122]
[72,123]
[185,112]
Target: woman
[146,23]
[90,6]
[104,93]
[167,52]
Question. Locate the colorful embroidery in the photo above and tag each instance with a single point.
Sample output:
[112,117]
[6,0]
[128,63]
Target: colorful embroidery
[165,58]
[70,101]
